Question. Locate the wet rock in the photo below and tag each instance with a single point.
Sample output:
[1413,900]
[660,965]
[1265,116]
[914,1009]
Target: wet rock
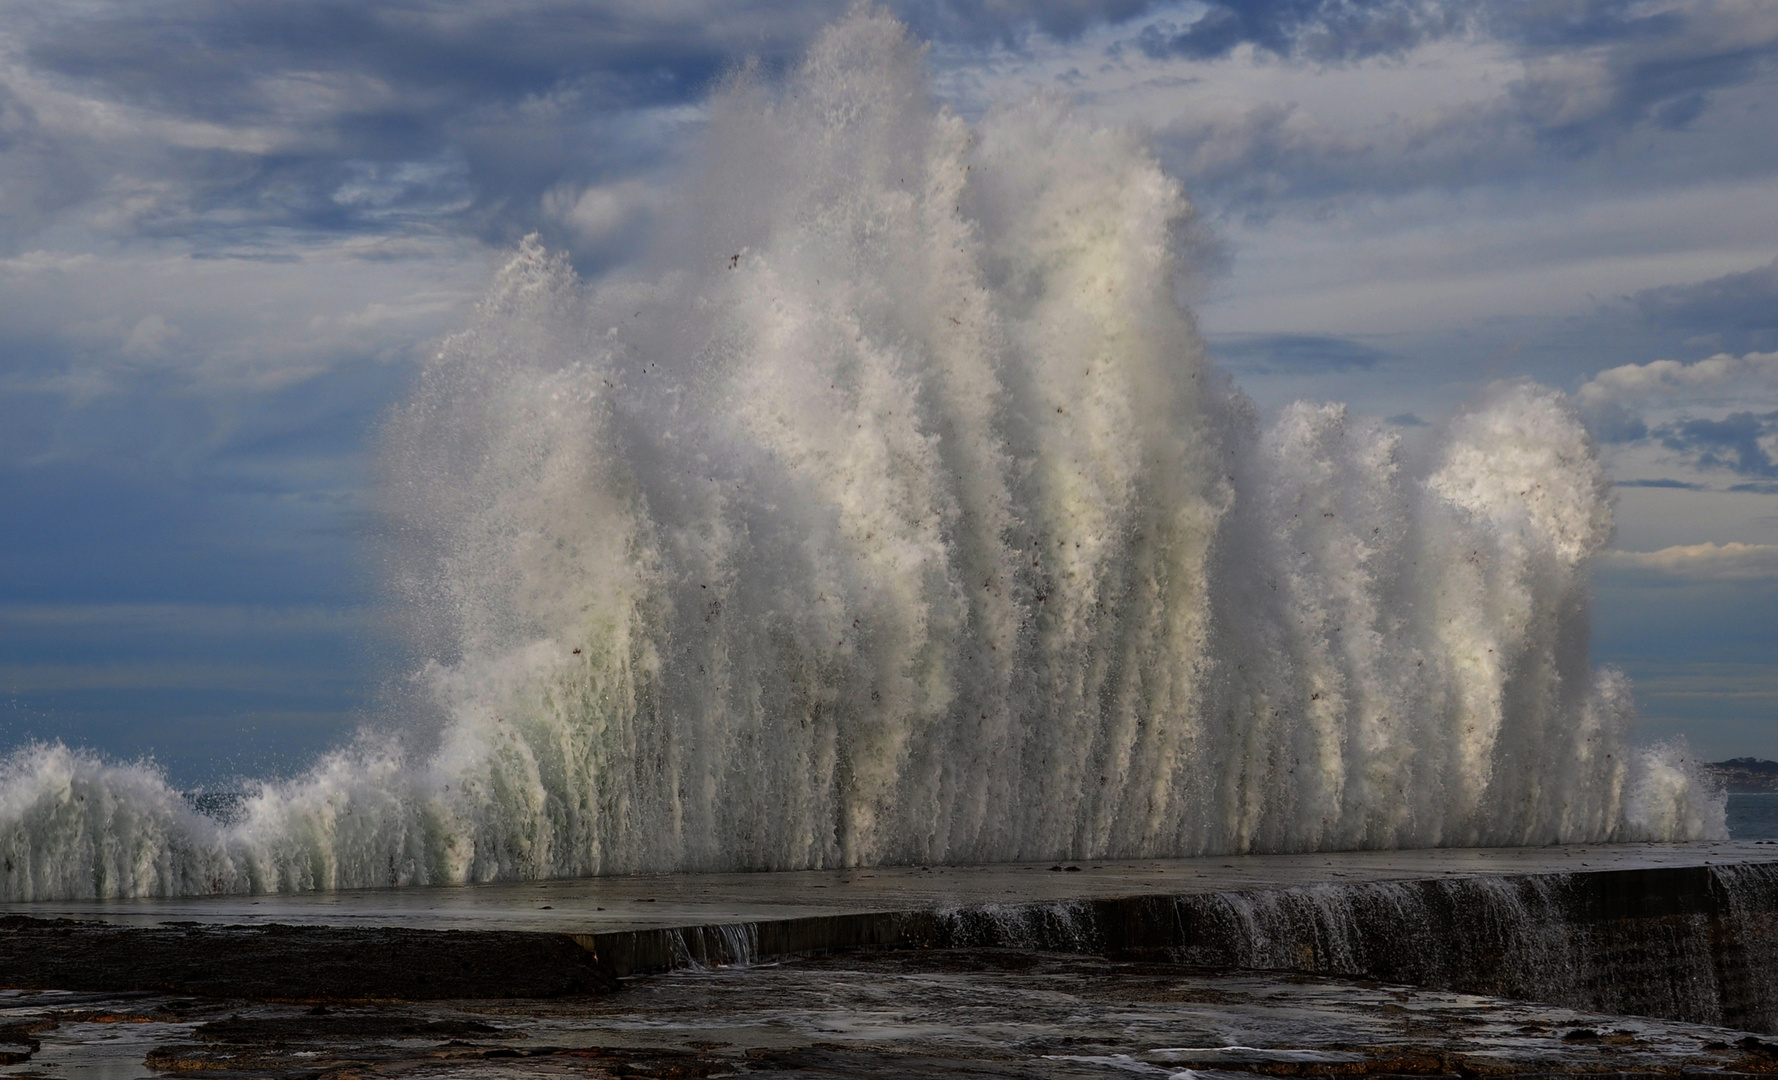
[18,1040]
[295,962]
[343,1025]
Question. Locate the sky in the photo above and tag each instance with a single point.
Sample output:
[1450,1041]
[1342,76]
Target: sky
[228,232]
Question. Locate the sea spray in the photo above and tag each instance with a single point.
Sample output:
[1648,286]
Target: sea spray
[898,516]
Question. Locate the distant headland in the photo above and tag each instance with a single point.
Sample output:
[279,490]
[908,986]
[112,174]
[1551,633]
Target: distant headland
[1746,774]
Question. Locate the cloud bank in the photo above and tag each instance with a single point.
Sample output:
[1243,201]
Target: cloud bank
[1732,561]
[1618,402]
[227,231]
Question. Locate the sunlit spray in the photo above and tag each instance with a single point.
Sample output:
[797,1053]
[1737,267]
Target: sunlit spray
[902,519]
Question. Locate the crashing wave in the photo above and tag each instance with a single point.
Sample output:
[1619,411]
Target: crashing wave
[903,519]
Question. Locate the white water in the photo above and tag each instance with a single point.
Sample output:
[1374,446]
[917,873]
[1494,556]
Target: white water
[897,516]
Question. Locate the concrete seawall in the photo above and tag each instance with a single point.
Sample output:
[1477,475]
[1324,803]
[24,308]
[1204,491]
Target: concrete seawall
[1697,943]
[1686,933]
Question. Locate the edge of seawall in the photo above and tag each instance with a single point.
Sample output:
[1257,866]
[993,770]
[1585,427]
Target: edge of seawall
[1693,940]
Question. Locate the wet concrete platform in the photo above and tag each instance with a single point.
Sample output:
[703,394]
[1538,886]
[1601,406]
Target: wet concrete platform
[1686,932]
[589,906]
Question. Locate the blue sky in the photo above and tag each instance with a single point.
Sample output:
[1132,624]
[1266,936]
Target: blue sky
[228,230]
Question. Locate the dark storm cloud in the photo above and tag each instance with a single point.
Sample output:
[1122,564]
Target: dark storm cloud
[257,132]
[192,55]
[353,117]
[344,117]
[1612,422]
[1342,30]
[208,59]
[1739,442]
[38,175]
[1737,311]
[1297,353]
[350,117]
[1008,23]
[1317,29]
[1596,73]
[369,117]
[1677,485]
[1269,156]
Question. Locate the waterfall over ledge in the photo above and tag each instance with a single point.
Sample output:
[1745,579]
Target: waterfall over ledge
[898,516]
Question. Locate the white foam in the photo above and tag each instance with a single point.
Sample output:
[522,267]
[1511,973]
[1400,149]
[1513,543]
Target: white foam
[902,519]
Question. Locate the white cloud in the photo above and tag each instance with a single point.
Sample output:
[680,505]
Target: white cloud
[1669,381]
[1732,561]
[237,321]
[1714,414]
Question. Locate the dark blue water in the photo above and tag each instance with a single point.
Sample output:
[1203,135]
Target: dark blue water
[1753,815]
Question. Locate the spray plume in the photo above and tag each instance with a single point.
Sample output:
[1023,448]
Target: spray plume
[901,518]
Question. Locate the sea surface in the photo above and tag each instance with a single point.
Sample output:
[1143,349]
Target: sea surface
[1753,815]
